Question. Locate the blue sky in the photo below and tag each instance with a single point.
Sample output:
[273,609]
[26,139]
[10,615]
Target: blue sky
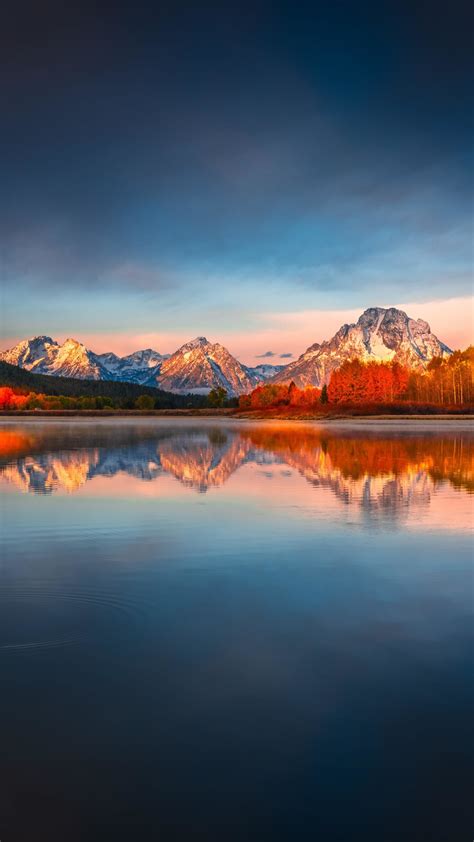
[203,168]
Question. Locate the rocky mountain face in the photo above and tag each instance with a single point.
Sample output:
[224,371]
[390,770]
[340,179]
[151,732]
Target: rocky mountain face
[379,334]
[265,371]
[43,355]
[30,352]
[199,366]
[138,367]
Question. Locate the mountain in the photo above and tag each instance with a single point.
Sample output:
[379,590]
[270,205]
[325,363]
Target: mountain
[30,352]
[138,367]
[72,359]
[265,371]
[199,366]
[43,355]
[379,334]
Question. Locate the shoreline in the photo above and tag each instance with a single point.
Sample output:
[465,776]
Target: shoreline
[233,415]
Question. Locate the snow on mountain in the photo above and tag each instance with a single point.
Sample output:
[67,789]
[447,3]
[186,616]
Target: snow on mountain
[199,366]
[265,371]
[45,356]
[72,359]
[135,368]
[380,334]
[29,353]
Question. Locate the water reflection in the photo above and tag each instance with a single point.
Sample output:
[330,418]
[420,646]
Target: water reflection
[235,631]
[381,472]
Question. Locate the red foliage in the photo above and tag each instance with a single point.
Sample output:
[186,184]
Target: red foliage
[354,382]
[272,395]
[358,382]
[10,400]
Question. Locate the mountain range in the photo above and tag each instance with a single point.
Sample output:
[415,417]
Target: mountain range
[198,366]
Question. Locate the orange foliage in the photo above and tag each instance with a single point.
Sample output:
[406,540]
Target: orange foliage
[10,400]
[358,382]
[272,395]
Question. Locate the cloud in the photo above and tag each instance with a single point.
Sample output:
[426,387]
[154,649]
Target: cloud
[266,354]
[285,356]
[48,255]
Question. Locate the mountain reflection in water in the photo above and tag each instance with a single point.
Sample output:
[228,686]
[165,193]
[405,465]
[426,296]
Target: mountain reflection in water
[379,471]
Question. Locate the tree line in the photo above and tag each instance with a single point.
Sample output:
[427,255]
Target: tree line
[15,399]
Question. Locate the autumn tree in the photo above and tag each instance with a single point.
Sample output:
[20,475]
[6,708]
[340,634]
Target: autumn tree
[446,381]
[372,382]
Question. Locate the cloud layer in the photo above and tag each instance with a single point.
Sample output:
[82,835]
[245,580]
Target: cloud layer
[196,169]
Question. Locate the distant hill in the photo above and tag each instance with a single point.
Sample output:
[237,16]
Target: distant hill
[20,378]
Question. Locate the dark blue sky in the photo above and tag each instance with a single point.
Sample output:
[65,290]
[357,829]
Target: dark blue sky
[193,168]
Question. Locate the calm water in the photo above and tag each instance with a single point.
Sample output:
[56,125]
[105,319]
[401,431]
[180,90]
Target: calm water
[235,632]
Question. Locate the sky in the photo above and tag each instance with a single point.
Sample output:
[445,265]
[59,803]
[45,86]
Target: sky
[258,173]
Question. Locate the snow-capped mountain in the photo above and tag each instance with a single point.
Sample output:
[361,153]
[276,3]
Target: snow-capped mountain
[72,359]
[30,352]
[265,371]
[138,367]
[380,334]
[199,366]
[45,356]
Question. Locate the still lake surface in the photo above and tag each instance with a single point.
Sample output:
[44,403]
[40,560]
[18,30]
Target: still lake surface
[235,631]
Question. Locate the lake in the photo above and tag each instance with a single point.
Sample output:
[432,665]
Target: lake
[235,631]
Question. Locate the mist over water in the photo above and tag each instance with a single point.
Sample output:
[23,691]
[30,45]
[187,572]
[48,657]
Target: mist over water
[227,630]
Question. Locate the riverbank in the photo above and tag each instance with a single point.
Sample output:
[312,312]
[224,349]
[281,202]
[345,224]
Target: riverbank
[233,414]
[116,413]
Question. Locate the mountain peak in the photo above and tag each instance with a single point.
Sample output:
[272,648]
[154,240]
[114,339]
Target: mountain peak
[199,341]
[380,334]
[200,365]
[40,340]
[72,343]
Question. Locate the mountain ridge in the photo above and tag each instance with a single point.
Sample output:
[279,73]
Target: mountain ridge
[381,334]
